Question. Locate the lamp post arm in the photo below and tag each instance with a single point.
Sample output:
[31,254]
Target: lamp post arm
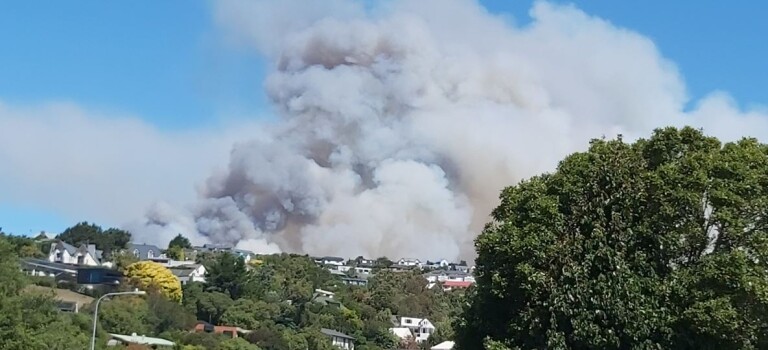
[95,320]
[96,312]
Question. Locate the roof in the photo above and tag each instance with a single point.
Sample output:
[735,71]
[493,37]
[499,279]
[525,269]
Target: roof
[144,250]
[331,258]
[446,345]
[332,333]
[52,266]
[457,284]
[401,332]
[243,252]
[83,248]
[67,306]
[141,339]
[184,270]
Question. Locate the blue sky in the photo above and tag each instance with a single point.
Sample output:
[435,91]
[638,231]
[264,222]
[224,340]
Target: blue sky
[163,62]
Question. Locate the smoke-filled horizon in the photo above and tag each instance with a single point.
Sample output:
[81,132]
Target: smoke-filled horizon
[399,124]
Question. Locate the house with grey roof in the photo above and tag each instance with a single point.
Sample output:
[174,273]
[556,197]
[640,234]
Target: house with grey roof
[65,253]
[145,251]
[338,339]
[189,273]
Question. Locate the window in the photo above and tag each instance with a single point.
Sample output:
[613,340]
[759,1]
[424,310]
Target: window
[150,254]
[407,321]
[80,259]
[58,255]
[136,253]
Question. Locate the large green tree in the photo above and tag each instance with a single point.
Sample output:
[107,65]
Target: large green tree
[660,243]
[108,240]
[180,241]
[31,321]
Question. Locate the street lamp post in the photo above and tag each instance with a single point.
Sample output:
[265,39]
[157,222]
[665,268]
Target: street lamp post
[96,311]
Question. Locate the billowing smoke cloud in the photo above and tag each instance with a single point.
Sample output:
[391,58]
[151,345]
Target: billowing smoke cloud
[399,124]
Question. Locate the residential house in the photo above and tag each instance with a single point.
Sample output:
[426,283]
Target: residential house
[451,285]
[145,251]
[338,339]
[247,255]
[120,339]
[189,273]
[363,270]
[229,331]
[459,267]
[332,260]
[361,261]
[359,270]
[64,253]
[421,328]
[353,281]
[39,267]
[433,265]
[170,263]
[325,297]
[409,262]
[442,276]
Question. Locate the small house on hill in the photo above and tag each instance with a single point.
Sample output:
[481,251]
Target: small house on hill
[338,339]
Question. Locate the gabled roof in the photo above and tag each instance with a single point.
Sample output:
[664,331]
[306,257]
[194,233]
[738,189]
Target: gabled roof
[144,250]
[332,333]
[82,249]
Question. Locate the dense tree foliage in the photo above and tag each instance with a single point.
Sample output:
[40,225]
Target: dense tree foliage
[25,247]
[180,242]
[658,244]
[150,275]
[109,240]
[32,321]
[274,297]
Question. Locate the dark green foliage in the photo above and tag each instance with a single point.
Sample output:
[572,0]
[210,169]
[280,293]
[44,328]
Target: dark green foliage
[660,244]
[273,297]
[23,247]
[31,321]
[180,242]
[228,274]
[109,240]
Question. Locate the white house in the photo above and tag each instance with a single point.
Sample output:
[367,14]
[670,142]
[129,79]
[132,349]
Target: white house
[363,270]
[338,339]
[189,273]
[421,327]
[332,260]
[409,262]
[437,264]
[64,253]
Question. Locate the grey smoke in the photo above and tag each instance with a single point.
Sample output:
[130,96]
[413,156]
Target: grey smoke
[399,124]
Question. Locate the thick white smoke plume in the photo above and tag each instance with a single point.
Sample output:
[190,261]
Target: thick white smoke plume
[400,123]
